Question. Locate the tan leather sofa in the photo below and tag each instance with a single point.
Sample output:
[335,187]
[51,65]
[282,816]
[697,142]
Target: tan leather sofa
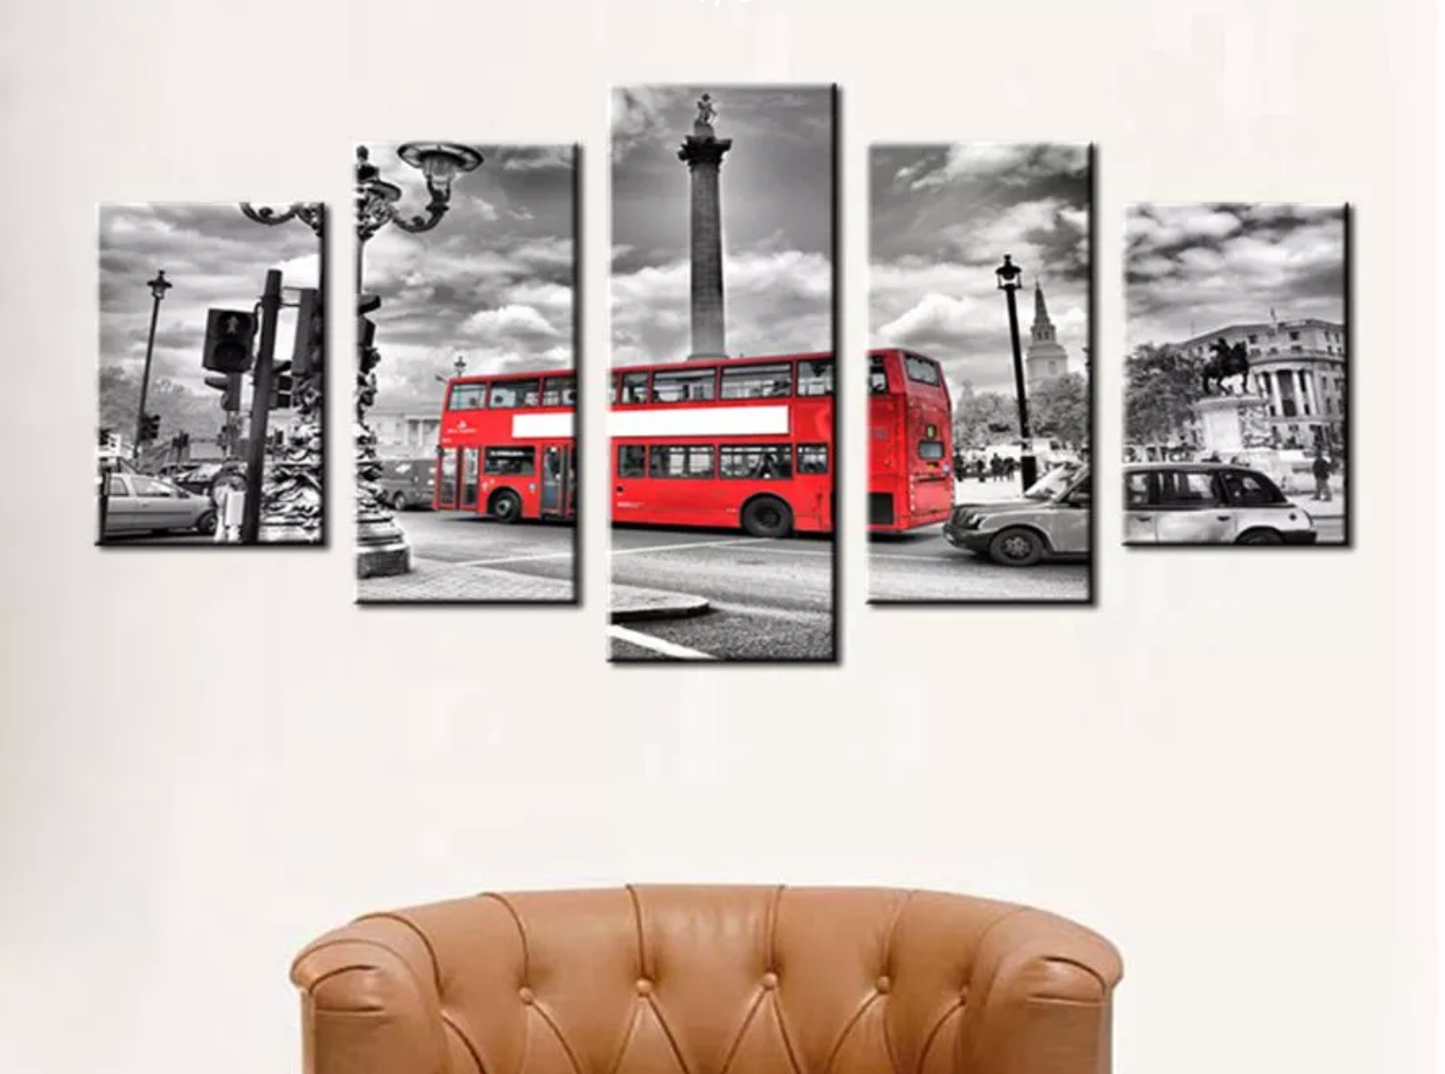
[709,980]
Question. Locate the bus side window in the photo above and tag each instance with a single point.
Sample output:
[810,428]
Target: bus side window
[634,388]
[631,460]
[877,376]
[812,458]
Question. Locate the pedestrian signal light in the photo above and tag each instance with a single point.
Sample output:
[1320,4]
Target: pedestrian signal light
[282,386]
[228,340]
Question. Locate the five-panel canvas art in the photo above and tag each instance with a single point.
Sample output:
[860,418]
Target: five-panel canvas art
[724,380]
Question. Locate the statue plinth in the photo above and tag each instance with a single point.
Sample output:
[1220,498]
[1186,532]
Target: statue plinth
[1230,424]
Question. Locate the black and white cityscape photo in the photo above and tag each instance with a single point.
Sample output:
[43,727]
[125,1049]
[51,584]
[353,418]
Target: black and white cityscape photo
[722,435]
[466,387]
[980,405]
[1236,393]
[212,352]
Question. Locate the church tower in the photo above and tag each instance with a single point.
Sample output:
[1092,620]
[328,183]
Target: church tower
[1046,358]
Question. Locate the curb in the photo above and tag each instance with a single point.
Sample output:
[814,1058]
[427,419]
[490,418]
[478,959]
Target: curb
[672,606]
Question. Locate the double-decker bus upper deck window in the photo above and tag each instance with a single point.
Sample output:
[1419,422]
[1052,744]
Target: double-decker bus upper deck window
[815,376]
[633,388]
[680,460]
[758,462]
[758,382]
[684,385]
[921,370]
[467,397]
[631,460]
[508,394]
[877,375]
[559,391]
[516,461]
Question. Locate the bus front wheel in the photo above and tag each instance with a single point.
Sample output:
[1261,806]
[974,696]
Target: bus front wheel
[767,517]
[505,506]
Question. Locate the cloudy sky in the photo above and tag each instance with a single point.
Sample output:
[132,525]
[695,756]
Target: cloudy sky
[493,281]
[1195,268]
[943,216]
[214,256]
[777,219]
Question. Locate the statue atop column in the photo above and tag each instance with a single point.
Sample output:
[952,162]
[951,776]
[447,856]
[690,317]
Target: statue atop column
[706,112]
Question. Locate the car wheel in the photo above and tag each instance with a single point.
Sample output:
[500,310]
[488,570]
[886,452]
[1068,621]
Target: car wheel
[398,502]
[505,506]
[1016,547]
[767,516]
[206,524]
[1261,537]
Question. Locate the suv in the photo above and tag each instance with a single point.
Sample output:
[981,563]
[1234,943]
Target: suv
[1209,503]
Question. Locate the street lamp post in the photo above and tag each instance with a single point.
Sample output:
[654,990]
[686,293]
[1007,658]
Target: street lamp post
[159,286]
[382,548]
[1008,282]
[292,498]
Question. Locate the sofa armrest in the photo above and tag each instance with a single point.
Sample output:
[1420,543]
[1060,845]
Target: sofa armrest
[369,1002]
[1039,999]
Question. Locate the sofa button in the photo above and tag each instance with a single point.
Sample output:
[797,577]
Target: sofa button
[884,985]
[526,996]
[644,986]
[770,980]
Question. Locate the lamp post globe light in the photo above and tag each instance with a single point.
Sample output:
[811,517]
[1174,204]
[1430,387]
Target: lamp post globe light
[382,548]
[1009,282]
[292,495]
[159,286]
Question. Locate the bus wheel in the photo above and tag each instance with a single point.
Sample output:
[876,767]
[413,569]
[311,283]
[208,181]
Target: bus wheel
[1016,547]
[505,506]
[767,517]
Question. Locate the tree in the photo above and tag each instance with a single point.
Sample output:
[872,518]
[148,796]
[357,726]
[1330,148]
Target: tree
[979,418]
[1059,409]
[180,410]
[1163,386]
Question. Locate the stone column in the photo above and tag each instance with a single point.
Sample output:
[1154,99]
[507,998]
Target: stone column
[703,152]
[1304,394]
[1272,387]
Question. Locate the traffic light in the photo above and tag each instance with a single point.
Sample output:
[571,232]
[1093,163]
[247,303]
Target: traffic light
[306,352]
[105,435]
[228,340]
[150,427]
[282,386]
[230,388]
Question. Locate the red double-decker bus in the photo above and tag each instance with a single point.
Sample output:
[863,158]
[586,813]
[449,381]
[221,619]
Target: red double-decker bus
[736,442]
[506,446]
[910,446]
[744,442]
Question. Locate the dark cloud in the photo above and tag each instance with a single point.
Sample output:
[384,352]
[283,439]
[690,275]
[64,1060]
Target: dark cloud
[1192,268]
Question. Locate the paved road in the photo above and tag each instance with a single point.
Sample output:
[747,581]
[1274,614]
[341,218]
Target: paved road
[771,599]
[445,544]
[922,566]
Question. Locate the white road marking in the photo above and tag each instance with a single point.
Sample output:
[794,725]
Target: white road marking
[693,544]
[657,645]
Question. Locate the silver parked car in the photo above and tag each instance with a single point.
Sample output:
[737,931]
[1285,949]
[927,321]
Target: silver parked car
[138,503]
[1209,503]
[1051,521]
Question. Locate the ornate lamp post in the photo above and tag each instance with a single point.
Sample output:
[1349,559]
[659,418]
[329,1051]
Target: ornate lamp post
[292,498]
[159,286]
[381,545]
[1008,282]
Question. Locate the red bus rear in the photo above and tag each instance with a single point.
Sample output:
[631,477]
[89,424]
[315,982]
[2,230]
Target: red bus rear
[506,446]
[910,456]
[738,442]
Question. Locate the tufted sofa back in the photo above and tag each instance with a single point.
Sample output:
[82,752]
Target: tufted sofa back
[709,980]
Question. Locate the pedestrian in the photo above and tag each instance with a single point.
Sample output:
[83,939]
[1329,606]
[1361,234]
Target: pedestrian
[1321,470]
[978,469]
